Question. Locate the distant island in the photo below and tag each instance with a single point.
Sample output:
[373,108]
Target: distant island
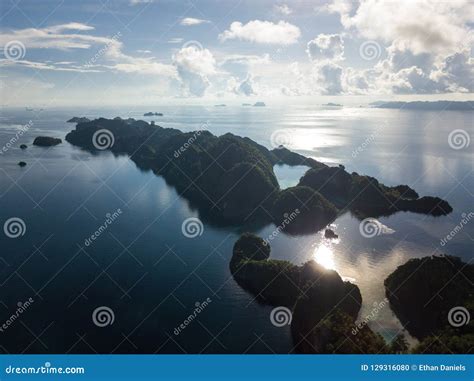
[434,106]
[77,119]
[259,104]
[46,141]
[216,174]
[330,104]
[246,104]
[153,114]
[220,105]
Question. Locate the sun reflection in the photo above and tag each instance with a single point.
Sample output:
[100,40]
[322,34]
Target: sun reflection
[324,255]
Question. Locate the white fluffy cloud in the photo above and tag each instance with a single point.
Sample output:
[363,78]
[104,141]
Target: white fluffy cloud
[417,25]
[263,32]
[326,46]
[189,21]
[194,66]
[283,9]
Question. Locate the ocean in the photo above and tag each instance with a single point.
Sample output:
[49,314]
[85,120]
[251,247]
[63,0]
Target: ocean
[152,277]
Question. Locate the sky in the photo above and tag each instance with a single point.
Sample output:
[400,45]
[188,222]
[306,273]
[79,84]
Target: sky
[142,51]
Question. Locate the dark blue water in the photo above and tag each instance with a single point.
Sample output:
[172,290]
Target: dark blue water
[152,276]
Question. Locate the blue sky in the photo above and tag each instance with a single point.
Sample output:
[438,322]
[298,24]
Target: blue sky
[146,50]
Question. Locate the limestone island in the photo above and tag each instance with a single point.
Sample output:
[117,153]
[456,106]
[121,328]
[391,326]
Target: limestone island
[21,163]
[153,114]
[259,104]
[46,141]
[323,307]
[215,173]
[434,299]
[77,119]
[23,146]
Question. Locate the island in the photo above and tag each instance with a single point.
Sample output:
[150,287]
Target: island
[426,105]
[259,104]
[246,104]
[77,119]
[216,172]
[330,104]
[433,297]
[323,307]
[220,105]
[46,141]
[21,163]
[153,114]
[23,146]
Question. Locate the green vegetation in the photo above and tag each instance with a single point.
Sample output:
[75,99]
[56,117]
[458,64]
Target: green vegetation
[231,179]
[422,292]
[310,291]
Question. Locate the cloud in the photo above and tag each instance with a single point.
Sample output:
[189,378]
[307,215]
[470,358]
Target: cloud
[136,2]
[283,9]
[326,46]
[419,26]
[194,66]
[188,21]
[263,32]
[107,49]
[175,40]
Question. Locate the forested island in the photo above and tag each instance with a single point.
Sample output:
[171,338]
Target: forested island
[217,172]
[230,179]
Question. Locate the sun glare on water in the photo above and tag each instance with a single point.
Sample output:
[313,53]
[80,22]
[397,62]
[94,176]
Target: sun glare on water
[324,255]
